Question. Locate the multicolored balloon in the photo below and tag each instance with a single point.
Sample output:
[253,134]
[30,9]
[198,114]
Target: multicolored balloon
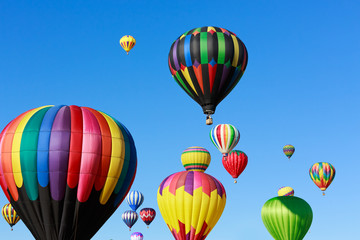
[66,168]
[207,63]
[127,42]
[289,150]
[191,203]
[235,163]
[136,236]
[225,137]
[195,159]
[10,215]
[322,174]
[147,215]
[287,217]
[286,191]
[129,217]
[134,199]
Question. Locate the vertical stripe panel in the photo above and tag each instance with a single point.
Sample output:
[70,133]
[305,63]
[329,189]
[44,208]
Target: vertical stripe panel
[236,51]
[203,48]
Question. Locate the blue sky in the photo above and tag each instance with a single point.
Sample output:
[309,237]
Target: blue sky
[300,87]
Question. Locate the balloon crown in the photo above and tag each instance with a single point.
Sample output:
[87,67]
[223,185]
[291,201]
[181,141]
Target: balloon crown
[195,159]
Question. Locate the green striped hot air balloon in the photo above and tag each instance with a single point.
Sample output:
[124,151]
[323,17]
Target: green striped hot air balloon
[287,217]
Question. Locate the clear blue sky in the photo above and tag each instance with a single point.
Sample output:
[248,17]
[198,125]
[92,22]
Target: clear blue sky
[301,87]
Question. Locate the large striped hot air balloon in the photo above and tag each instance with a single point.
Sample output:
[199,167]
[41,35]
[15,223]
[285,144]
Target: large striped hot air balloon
[127,42]
[287,217]
[66,169]
[134,199]
[191,202]
[322,174]
[225,137]
[207,63]
[10,215]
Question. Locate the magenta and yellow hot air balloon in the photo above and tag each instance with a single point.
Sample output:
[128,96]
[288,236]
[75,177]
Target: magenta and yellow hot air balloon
[127,42]
[322,174]
[10,215]
[191,202]
[66,169]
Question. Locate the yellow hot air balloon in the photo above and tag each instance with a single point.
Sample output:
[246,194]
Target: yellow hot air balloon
[198,154]
[127,42]
[10,215]
[191,202]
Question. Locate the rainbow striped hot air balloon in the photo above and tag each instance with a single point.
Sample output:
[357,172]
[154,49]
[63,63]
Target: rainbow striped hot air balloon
[10,215]
[68,163]
[289,150]
[195,159]
[225,137]
[322,174]
[191,202]
[286,191]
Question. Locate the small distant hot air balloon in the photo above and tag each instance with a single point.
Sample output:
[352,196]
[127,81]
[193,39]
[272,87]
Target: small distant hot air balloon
[129,217]
[224,137]
[287,217]
[147,215]
[10,215]
[134,199]
[207,63]
[322,174]
[127,42]
[191,202]
[195,154]
[235,163]
[289,150]
[286,191]
[136,236]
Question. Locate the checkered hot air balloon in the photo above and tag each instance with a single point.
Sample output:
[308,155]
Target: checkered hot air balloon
[191,202]
[289,150]
[207,63]
[134,199]
[322,174]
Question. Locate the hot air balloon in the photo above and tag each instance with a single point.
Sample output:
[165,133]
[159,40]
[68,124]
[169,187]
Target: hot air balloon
[129,217]
[287,217]
[127,42]
[136,236]
[147,215]
[224,137]
[191,202]
[322,174]
[67,169]
[10,215]
[207,63]
[289,150]
[198,154]
[134,199]
[235,163]
[286,191]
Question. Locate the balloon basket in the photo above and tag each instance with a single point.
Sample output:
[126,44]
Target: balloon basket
[235,181]
[209,120]
[323,193]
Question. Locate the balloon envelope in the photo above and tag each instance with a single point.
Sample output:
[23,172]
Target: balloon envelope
[127,42]
[136,236]
[289,150]
[207,63]
[287,217]
[225,137]
[195,159]
[322,174]
[10,215]
[129,217]
[235,163]
[286,191]
[134,199]
[147,215]
[66,169]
